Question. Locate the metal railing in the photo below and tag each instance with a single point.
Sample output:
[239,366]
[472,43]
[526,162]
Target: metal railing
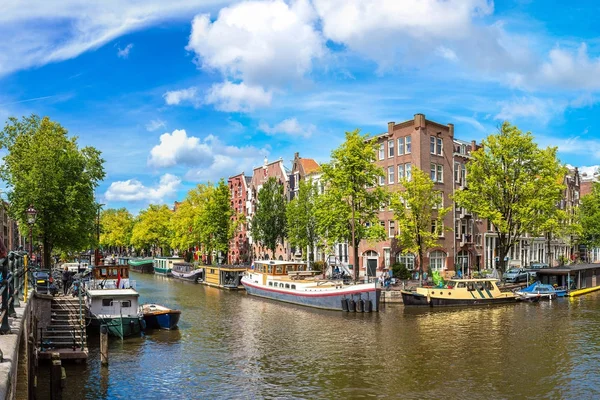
[13,279]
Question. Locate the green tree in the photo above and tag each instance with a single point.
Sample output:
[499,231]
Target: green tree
[44,167]
[589,217]
[348,210]
[216,220]
[268,224]
[116,226]
[301,219]
[185,225]
[417,208]
[151,230]
[513,184]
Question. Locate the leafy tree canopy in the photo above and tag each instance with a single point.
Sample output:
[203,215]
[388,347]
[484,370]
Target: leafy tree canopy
[268,225]
[44,167]
[116,226]
[301,219]
[151,230]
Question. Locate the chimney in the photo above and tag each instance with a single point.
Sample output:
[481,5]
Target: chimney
[419,121]
[451,130]
[296,155]
[473,145]
[266,162]
[391,127]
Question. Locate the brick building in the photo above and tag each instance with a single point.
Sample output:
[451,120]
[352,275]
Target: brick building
[239,246]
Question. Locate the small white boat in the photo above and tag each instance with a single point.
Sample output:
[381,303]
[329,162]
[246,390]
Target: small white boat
[187,272]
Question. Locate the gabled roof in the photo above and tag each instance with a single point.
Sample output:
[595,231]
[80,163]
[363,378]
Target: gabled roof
[309,165]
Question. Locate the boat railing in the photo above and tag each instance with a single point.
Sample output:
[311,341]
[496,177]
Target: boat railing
[127,284]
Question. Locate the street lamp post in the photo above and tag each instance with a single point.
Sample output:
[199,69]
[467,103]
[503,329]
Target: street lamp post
[31,215]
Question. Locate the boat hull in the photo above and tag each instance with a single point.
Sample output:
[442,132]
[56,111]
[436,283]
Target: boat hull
[191,276]
[167,320]
[445,302]
[120,327]
[162,271]
[414,299]
[326,301]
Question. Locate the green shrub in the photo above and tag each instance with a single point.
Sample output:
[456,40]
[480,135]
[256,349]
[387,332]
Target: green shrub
[400,271]
[318,266]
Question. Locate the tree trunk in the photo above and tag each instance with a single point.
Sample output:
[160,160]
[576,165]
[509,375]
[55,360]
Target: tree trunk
[47,253]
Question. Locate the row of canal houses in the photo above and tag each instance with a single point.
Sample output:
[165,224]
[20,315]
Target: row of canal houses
[416,143]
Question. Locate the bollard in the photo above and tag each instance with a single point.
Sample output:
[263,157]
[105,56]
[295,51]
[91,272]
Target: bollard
[56,375]
[104,345]
[4,325]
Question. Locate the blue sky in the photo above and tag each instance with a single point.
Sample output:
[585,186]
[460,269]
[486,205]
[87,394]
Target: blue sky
[181,92]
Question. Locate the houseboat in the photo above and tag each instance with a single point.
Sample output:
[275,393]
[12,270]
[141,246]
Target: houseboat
[459,292]
[224,276]
[577,279]
[164,265]
[291,282]
[142,265]
[113,301]
[187,272]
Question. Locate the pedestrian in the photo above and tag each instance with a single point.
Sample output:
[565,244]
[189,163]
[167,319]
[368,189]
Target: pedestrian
[66,275]
[381,280]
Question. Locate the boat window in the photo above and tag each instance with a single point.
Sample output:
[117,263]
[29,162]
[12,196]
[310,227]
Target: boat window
[470,286]
[287,285]
[106,302]
[103,272]
[461,285]
[270,283]
[279,270]
[212,271]
[126,303]
[294,287]
[488,285]
[281,285]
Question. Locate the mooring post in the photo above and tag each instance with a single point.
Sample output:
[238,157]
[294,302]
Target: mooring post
[56,376]
[4,325]
[104,345]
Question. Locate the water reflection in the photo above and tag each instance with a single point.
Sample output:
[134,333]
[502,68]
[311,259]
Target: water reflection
[231,345]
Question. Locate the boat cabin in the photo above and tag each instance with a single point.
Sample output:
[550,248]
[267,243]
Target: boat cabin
[111,302]
[577,279]
[224,276]
[183,267]
[111,277]
[163,265]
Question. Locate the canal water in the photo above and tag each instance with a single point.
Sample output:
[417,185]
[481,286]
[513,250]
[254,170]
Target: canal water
[231,346]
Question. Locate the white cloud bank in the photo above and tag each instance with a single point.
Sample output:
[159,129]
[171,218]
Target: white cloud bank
[132,190]
[290,127]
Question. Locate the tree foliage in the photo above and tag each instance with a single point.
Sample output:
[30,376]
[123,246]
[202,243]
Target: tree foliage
[514,184]
[215,221]
[44,167]
[301,218]
[268,225]
[589,217]
[152,229]
[352,199]
[116,226]
[185,225]
[415,208]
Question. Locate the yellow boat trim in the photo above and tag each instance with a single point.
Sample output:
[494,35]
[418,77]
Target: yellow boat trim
[583,291]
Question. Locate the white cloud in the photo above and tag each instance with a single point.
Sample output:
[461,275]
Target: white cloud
[176,97]
[289,126]
[446,53]
[48,31]
[155,124]
[133,190]
[177,148]
[258,42]
[232,97]
[530,107]
[124,53]
[571,69]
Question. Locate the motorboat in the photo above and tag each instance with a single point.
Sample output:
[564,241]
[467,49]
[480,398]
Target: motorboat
[160,317]
[542,291]
[292,282]
[187,272]
[459,292]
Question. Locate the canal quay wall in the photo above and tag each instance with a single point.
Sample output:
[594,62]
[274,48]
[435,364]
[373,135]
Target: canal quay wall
[10,344]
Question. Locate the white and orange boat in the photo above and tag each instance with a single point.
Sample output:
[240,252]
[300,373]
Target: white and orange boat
[292,282]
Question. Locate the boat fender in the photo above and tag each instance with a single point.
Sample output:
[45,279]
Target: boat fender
[344,305]
[360,305]
[351,305]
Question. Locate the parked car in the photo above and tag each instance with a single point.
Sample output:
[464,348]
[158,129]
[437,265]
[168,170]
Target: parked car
[515,275]
[44,283]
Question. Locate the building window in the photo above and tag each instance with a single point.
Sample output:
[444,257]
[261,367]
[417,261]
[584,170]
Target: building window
[457,172]
[408,260]
[440,201]
[392,229]
[382,223]
[437,228]
[390,148]
[408,144]
[435,145]
[437,172]
[391,174]
[381,151]
[437,260]
[400,172]
[407,171]
[381,180]
[386,257]
[400,146]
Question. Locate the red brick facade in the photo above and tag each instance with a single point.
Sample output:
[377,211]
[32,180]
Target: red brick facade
[239,247]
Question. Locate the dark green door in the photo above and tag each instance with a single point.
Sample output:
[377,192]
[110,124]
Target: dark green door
[371,266]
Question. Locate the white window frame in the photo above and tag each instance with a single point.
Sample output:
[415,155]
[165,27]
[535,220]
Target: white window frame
[408,171]
[400,172]
[381,180]
[390,148]
[440,203]
[408,260]
[387,257]
[437,260]
[436,145]
[435,227]
[401,146]
[391,171]
[382,151]
[408,144]
[436,172]
[391,228]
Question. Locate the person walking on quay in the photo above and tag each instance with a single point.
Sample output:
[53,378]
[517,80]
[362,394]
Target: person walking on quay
[66,276]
